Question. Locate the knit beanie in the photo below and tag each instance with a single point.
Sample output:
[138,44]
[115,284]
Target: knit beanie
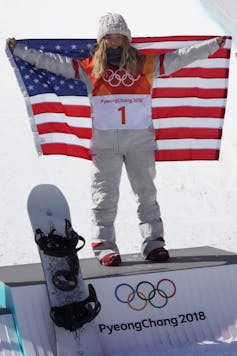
[113,23]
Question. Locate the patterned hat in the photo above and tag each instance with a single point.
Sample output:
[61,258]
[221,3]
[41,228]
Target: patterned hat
[113,23]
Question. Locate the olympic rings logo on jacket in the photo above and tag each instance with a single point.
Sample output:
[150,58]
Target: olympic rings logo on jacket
[120,77]
[145,292]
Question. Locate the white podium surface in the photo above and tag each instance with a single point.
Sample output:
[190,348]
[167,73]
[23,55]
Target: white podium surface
[146,306]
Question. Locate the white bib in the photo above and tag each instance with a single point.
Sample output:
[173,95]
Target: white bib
[122,111]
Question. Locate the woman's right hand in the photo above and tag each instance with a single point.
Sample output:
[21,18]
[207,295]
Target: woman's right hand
[221,41]
[12,43]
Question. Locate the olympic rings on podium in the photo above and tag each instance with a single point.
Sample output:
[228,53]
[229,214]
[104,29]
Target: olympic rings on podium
[146,292]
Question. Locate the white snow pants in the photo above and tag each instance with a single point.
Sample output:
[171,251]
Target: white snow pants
[106,174]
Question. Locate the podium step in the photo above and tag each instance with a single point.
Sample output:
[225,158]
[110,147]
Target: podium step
[146,306]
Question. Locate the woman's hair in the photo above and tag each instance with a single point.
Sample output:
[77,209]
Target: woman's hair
[130,58]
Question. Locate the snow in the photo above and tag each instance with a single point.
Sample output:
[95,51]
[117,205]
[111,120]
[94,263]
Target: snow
[198,199]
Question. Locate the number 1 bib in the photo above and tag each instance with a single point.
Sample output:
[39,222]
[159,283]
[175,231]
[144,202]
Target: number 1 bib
[121,111]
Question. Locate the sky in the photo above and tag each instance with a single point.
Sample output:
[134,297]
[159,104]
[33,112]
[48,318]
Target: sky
[198,199]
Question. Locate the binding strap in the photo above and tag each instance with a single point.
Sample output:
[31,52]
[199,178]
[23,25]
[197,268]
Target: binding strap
[73,316]
[57,245]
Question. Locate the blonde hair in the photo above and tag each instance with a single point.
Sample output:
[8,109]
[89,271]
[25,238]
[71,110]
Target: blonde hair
[130,58]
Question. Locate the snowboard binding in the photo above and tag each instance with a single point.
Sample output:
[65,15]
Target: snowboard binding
[57,245]
[62,246]
[73,316]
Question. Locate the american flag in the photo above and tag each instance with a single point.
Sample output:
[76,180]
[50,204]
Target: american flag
[188,107]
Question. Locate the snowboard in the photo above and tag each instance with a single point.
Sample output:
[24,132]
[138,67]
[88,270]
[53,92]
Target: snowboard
[73,305]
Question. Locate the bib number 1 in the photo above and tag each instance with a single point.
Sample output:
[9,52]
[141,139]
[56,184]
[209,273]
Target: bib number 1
[121,112]
[123,115]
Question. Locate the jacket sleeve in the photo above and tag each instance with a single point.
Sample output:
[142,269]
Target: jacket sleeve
[55,63]
[173,61]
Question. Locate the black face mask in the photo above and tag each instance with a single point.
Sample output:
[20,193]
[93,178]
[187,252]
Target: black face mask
[114,55]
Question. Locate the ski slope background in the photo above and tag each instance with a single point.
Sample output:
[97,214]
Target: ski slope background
[198,200]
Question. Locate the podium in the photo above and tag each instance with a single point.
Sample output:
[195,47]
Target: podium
[146,306]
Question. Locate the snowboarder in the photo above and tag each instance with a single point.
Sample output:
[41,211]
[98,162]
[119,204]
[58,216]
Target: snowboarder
[119,83]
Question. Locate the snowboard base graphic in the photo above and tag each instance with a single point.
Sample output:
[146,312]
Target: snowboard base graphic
[73,304]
